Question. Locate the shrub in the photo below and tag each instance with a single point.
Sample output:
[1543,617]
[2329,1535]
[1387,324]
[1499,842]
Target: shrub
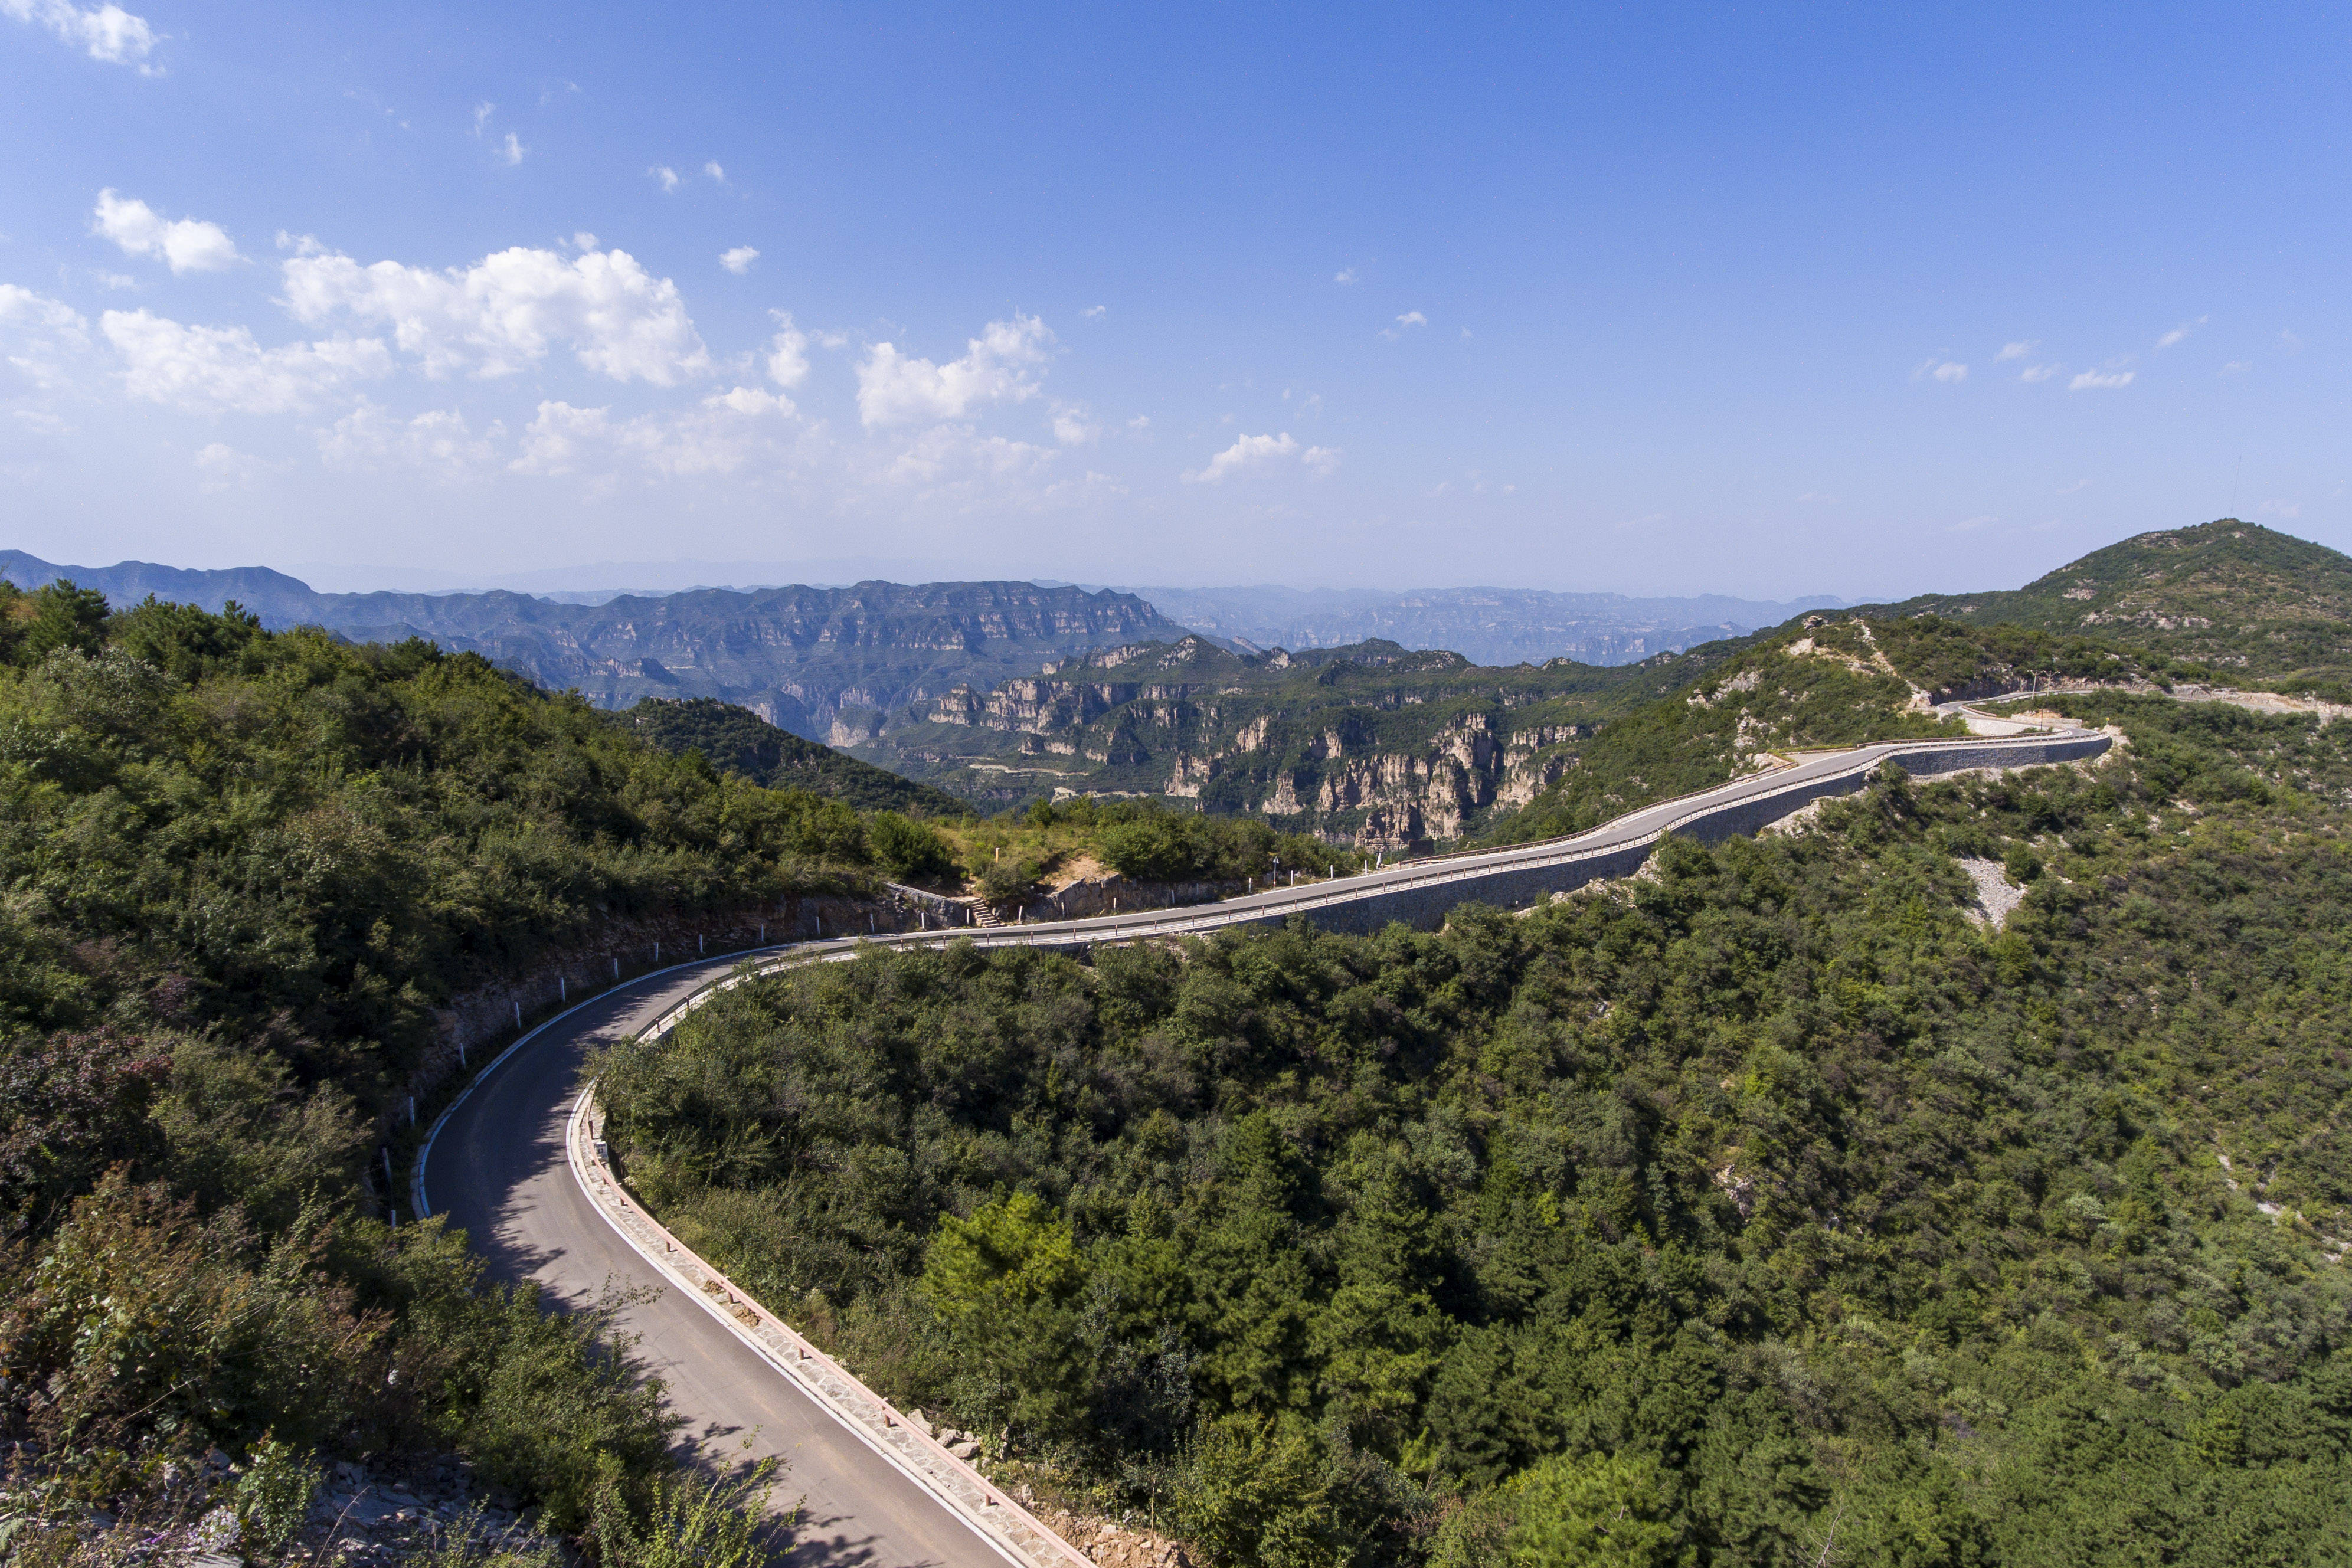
[273,1496]
[908,851]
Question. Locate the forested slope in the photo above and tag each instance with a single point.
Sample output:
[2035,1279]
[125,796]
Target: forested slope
[2239,597]
[1767,1208]
[1837,679]
[737,740]
[238,872]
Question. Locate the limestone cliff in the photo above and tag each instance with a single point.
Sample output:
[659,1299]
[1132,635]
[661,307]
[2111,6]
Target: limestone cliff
[1375,746]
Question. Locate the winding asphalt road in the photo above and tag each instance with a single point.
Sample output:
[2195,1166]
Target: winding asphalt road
[496,1167]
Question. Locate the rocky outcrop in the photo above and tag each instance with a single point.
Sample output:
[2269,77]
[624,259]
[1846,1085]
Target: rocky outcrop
[1379,747]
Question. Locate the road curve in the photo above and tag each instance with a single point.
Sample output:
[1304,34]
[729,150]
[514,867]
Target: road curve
[496,1164]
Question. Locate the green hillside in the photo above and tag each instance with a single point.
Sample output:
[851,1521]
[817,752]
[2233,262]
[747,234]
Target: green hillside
[1771,1210]
[1835,678]
[2244,599]
[241,871]
[737,740]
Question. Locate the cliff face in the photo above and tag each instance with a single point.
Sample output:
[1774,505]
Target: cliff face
[1374,746]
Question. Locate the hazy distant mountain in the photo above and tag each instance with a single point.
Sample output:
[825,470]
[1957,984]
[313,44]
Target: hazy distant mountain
[844,664]
[801,658]
[1486,625]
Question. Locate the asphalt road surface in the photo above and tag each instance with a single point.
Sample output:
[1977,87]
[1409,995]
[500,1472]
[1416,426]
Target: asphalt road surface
[497,1168]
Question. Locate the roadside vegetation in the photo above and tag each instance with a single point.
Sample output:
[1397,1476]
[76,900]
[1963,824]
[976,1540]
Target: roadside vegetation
[1017,855]
[1833,680]
[238,872]
[1766,1209]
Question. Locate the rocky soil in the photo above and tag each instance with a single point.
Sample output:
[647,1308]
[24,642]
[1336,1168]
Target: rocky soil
[198,1515]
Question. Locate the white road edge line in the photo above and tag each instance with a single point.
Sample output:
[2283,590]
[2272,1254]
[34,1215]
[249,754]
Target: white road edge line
[954,1505]
[790,954]
[418,1204]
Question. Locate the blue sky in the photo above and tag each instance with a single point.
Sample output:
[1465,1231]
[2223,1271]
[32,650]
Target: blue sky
[1762,301]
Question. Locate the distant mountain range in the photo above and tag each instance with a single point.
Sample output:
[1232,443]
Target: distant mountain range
[1495,626]
[845,664]
[798,658]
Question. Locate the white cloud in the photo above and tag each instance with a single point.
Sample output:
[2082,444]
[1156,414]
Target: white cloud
[2237,367]
[2076,487]
[224,467]
[482,113]
[1946,370]
[117,280]
[2099,381]
[1405,323]
[954,464]
[996,367]
[1140,422]
[715,172]
[437,441]
[2181,331]
[109,32]
[499,316]
[513,150]
[666,174]
[1320,460]
[2038,373]
[719,436]
[740,259]
[1247,452]
[1345,275]
[186,245]
[22,306]
[1072,427]
[2014,351]
[40,334]
[215,368]
[1095,312]
[787,352]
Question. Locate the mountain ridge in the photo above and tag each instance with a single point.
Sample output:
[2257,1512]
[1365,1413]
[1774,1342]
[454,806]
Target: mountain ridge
[795,656]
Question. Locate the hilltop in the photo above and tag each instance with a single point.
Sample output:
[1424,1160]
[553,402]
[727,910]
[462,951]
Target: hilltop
[737,740]
[2226,599]
[2239,597]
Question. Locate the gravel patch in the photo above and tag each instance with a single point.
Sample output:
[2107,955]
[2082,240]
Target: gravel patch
[1996,895]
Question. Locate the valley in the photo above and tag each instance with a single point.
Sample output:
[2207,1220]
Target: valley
[1999,1100]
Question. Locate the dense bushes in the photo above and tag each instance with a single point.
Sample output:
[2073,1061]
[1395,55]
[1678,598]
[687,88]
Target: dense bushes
[311,842]
[1149,842]
[908,851]
[237,871]
[1762,1210]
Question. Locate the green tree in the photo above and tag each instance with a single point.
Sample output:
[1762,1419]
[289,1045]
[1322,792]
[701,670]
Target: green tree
[910,850]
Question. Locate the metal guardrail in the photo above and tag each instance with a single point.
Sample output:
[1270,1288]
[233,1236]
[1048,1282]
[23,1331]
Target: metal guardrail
[1266,908]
